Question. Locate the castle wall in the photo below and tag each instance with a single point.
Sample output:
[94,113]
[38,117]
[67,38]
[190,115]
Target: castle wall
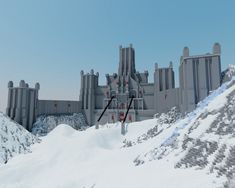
[100,96]
[148,95]
[166,100]
[198,76]
[144,114]
[22,103]
[56,107]
[113,115]
[143,77]
[187,86]
[87,93]
[216,72]
[165,94]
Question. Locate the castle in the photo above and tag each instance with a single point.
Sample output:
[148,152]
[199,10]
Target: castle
[198,75]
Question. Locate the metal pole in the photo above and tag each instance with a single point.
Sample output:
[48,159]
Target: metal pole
[97,123]
[128,109]
[123,131]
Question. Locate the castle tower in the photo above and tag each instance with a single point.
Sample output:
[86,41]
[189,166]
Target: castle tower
[164,82]
[199,74]
[89,83]
[126,61]
[216,48]
[164,78]
[22,103]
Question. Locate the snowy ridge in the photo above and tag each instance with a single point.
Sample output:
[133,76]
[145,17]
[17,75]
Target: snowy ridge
[45,124]
[204,139]
[14,139]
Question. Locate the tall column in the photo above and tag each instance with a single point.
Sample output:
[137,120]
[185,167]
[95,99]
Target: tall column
[130,62]
[120,68]
[31,109]
[13,105]
[37,88]
[91,99]
[10,98]
[156,87]
[125,62]
[85,91]
[25,111]
[163,79]
[19,102]
[171,75]
[81,96]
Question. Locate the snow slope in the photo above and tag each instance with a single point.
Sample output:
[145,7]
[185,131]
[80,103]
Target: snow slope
[166,152]
[14,139]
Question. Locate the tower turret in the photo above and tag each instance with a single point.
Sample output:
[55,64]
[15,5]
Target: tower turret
[89,83]
[216,48]
[126,61]
[22,103]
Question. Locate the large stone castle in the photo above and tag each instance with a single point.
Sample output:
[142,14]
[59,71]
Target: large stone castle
[198,75]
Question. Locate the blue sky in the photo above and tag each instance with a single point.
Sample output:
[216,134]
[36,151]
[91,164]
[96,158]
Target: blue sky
[51,41]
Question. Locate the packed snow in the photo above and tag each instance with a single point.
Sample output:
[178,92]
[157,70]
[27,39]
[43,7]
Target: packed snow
[169,151]
[14,139]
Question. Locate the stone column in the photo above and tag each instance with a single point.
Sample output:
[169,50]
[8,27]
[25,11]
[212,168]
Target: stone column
[120,61]
[18,116]
[9,101]
[31,108]
[13,105]
[25,111]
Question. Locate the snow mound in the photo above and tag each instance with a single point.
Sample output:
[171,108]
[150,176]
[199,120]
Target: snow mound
[62,129]
[46,123]
[14,139]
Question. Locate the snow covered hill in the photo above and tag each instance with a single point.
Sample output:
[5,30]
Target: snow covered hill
[14,139]
[170,151]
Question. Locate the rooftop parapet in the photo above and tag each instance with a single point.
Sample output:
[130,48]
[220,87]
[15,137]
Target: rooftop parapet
[23,84]
[216,50]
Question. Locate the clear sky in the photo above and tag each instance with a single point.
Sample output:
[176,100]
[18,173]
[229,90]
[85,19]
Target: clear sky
[51,41]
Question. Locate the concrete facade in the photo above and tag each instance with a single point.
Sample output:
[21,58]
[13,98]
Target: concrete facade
[56,107]
[198,75]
